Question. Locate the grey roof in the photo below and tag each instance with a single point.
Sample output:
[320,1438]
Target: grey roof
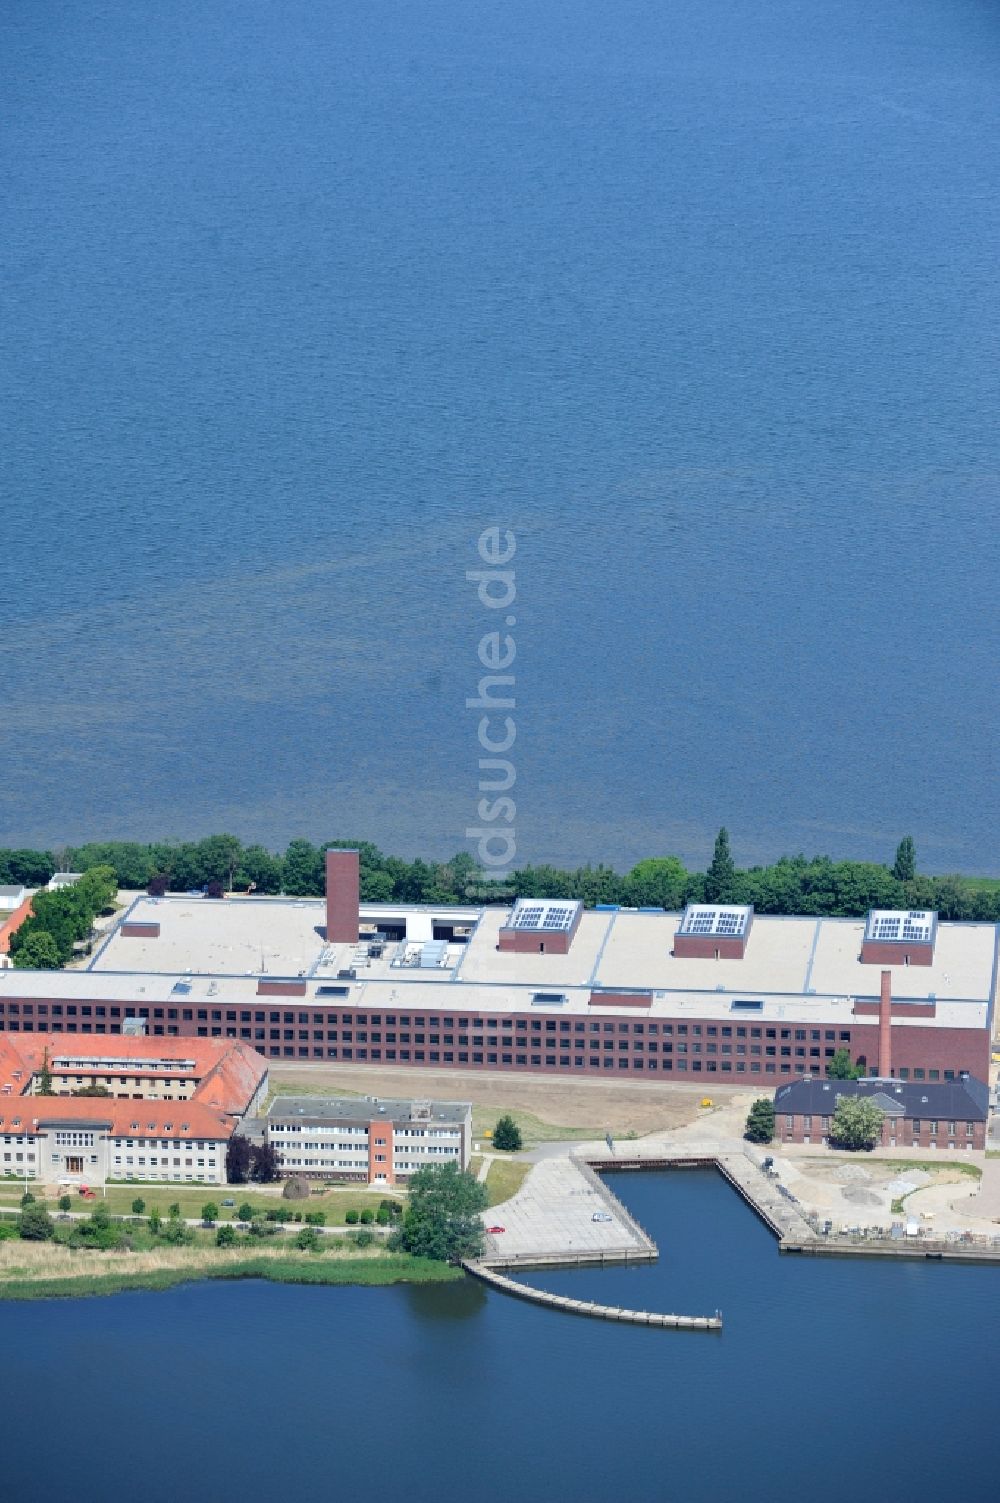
[966,1100]
[11,892]
[335,1110]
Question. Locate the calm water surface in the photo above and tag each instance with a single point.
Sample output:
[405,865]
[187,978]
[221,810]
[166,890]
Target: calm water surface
[830,1380]
[700,298]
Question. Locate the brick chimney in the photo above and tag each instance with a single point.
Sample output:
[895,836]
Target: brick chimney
[885,1027]
[343,896]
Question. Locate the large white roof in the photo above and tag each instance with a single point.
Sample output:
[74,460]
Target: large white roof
[211,954]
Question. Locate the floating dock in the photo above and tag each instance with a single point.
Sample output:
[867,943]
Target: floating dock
[589,1307]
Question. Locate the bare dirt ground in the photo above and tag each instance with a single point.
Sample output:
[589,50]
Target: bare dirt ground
[594,1106]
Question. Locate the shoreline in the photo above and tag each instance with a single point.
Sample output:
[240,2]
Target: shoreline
[286,1268]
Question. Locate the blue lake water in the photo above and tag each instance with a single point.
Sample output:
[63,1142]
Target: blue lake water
[699,299]
[870,1380]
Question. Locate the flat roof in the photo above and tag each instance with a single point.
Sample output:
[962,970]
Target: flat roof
[352,1109]
[210,954]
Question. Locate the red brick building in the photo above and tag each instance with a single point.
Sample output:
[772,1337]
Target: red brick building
[951,1114]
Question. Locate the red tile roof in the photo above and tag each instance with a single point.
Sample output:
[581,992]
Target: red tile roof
[141,1119]
[228,1073]
[12,924]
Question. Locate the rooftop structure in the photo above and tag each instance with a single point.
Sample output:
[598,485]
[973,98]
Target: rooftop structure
[899,937]
[713,931]
[539,925]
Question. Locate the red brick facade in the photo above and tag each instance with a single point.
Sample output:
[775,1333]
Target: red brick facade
[343,896]
[889,952]
[709,947]
[380,1151]
[897,1132]
[534,1041]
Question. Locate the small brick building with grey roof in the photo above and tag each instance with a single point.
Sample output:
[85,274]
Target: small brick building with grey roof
[949,1114]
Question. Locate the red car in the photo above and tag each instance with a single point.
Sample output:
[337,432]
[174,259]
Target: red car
[495,1231]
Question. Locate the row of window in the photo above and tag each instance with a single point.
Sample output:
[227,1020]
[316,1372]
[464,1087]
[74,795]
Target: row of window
[462,1024]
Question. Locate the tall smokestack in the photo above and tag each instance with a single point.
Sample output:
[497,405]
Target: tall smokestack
[343,896]
[885,1027]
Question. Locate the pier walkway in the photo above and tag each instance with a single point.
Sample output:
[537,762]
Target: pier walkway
[589,1307]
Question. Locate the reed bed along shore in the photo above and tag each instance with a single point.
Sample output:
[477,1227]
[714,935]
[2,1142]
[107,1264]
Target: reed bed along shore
[43,1271]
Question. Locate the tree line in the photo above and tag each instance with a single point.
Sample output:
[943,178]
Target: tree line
[792,885]
[62,919]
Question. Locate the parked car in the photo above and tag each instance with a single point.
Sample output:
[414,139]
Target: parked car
[495,1231]
[602,1216]
[229,1202]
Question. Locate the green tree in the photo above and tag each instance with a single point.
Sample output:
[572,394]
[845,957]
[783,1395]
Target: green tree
[720,879]
[175,1209]
[760,1121]
[155,1221]
[443,1217]
[507,1134]
[657,882]
[307,1240]
[37,952]
[226,1236]
[904,867]
[209,1212]
[65,1203]
[138,1206]
[35,1224]
[304,870]
[841,1068]
[245,1211]
[43,1082]
[856,1123]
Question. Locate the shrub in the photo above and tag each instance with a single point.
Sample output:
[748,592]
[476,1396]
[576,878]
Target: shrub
[351,1218]
[245,1211]
[507,1134]
[35,1224]
[307,1240]
[138,1206]
[382,1216]
[316,1218]
[65,1202]
[226,1236]
[27,1199]
[272,1215]
[363,1239]
[175,1209]
[209,1212]
[155,1221]
[759,1127]
[367,1217]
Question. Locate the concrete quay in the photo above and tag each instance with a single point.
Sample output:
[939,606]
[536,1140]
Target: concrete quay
[550,1222]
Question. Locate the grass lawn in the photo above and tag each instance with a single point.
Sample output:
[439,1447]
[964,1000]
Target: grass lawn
[533,1129]
[335,1203]
[504,1179]
[936,1168]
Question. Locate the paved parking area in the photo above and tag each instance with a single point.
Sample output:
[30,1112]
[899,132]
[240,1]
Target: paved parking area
[552,1214]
